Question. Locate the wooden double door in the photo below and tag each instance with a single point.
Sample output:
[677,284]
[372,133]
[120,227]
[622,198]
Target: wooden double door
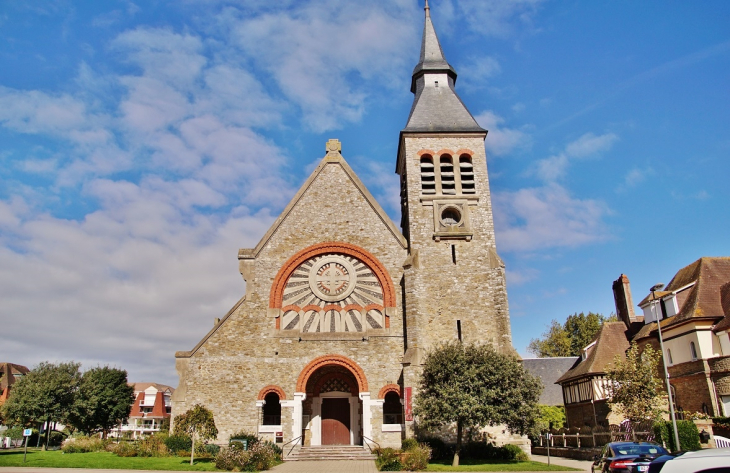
[335,421]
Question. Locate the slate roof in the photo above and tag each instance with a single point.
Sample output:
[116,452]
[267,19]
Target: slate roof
[8,372]
[549,370]
[611,340]
[436,109]
[703,300]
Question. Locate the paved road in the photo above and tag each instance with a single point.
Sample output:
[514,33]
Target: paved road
[342,466]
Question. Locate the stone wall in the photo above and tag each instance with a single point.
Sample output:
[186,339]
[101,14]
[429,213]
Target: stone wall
[246,352]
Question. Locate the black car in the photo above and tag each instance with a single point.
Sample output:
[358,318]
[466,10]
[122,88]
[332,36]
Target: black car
[627,457]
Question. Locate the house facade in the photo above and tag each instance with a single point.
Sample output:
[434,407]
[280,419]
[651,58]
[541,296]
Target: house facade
[9,374]
[152,406]
[327,343]
[694,312]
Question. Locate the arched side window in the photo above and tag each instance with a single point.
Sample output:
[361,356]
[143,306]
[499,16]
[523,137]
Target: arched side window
[428,175]
[446,170]
[669,356]
[693,350]
[466,171]
[272,410]
[392,409]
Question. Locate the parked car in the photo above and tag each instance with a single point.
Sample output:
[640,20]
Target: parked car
[710,460]
[627,457]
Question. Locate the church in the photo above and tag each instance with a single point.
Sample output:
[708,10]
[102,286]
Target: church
[341,305]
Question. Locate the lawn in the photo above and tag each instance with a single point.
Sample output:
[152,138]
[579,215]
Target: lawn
[486,465]
[58,459]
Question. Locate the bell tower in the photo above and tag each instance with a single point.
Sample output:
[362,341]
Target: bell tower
[454,282]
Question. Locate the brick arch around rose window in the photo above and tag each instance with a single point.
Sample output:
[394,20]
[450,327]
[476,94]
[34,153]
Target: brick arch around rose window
[378,269]
[327,360]
[388,388]
[271,388]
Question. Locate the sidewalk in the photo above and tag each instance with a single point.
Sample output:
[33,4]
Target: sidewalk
[583,465]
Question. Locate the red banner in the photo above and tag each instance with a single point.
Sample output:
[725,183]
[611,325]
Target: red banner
[407,392]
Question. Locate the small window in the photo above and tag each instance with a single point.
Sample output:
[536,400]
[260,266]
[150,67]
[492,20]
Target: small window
[669,357]
[272,410]
[693,350]
[466,171]
[428,176]
[392,409]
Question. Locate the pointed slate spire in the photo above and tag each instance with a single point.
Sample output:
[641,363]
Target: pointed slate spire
[436,106]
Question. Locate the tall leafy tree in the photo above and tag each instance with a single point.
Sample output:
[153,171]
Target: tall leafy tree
[45,394]
[473,385]
[104,399]
[570,337]
[635,390]
[196,421]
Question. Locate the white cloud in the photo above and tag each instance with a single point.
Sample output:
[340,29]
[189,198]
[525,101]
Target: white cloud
[501,141]
[497,17]
[547,217]
[315,55]
[555,167]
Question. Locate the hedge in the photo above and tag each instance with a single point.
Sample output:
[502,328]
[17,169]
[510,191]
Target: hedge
[689,436]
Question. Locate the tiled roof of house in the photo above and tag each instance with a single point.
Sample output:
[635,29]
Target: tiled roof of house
[610,341]
[709,275]
[8,372]
[138,387]
[725,303]
[549,370]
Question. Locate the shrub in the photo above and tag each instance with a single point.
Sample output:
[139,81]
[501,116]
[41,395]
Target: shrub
[244,435]
[724,421]
[417,457]
[56,438]
[388,460]
[513,452]
[83,445]
[178,443]
[153,446]
[409,444]
[124,449]
[439,450]
[689,436]
[261,456]
[212,449]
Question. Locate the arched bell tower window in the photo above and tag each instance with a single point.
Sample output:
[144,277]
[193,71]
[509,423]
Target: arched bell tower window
[466,171]
[272,410]
[693,350]
[448,182]
[428,175]
[392,409]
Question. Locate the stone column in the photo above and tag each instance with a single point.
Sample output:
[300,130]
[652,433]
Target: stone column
[367,430]
[259,414]
[297,409]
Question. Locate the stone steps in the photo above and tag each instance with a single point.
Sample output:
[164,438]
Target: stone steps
[330,452]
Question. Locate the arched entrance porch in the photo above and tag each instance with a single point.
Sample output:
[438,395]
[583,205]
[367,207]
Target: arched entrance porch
[334,401]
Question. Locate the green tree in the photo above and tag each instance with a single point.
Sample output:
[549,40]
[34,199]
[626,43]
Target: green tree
[45,394]
[551,417]
[569,338]
[196,421]
[634,388]
[104,399]
[473,385]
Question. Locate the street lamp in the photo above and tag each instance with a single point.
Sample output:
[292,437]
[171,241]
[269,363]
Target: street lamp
[657,317]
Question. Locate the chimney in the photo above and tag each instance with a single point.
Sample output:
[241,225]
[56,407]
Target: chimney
[624,302]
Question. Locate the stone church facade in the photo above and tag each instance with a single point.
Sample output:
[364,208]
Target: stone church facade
[341,305]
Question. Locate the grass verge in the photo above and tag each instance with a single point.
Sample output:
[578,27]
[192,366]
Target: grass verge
[485,465]
[105,460]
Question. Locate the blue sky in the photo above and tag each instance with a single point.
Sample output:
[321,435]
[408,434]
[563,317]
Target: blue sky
[142,144]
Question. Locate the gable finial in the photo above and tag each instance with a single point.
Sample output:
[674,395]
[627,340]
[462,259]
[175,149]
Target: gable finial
[333,147]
